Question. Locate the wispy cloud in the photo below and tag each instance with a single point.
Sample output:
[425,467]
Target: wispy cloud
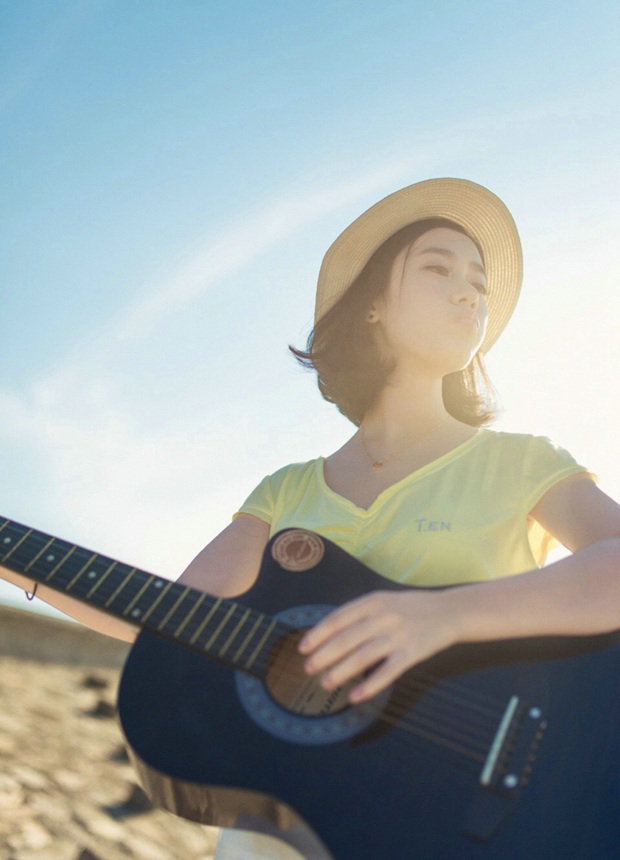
[85,364]
[246,240]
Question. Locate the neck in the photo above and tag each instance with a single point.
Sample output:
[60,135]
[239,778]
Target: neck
[406,408]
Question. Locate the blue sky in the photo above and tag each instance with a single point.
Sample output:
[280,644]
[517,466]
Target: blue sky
[174,172]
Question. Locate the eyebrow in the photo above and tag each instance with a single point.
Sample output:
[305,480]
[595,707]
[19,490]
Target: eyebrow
[446,253]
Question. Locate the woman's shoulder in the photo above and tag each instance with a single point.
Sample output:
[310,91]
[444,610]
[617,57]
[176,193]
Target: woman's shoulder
[531,452]
[294,472]
[509,441]
[284,483]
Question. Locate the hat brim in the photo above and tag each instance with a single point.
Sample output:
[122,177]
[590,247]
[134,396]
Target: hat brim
[473,207]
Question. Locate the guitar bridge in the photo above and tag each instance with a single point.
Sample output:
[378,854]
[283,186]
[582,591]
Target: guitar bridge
[506,770]
[513,750]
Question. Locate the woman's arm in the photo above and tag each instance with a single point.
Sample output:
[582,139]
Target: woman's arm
[579,595]
[93,618]
[229,565]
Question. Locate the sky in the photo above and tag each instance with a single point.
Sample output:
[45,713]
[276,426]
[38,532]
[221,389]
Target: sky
[173,172]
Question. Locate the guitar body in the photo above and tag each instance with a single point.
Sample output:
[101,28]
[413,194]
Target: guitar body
[503,751]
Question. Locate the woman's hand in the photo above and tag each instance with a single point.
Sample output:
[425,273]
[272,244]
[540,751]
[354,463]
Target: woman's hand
[389,630]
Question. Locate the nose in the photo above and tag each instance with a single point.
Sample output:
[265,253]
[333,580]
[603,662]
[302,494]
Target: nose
[465,294]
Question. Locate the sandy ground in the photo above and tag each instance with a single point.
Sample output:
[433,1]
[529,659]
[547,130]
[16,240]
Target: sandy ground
[67,791]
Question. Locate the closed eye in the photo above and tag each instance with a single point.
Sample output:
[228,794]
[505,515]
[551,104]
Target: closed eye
[444,272]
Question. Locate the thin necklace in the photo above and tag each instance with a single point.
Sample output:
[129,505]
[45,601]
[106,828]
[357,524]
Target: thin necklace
[377,465]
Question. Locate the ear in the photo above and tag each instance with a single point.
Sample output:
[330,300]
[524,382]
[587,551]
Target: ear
[373,314]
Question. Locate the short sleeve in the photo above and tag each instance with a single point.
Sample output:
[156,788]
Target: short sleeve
[260,502]
[544,464]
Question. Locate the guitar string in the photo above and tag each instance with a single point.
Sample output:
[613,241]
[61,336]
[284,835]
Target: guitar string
[444,718]
[417,727]
[467,761]
[465,732]
[442,734]
[398,717]
[483,716]
[395,716]
[446,743]
[407,686]
[474,699]
[417,682]
[449,724]
[262,626]
[470,726]
[457,694]
[467,764]
[471,714]
[486,703]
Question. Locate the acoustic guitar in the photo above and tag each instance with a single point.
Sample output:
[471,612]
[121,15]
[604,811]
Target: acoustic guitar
[502,751]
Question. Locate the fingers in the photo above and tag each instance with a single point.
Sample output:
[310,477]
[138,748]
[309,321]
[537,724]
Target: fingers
[360,636]
[336,622]
[384,675]
[382,634]
[356,662]
[351,629]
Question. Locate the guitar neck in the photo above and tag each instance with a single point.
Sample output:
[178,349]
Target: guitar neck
[221,629]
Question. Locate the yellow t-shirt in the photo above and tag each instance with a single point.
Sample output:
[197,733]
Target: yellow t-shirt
[461,518]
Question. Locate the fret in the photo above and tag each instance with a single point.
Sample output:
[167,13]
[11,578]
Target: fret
[234,633]
[135,613]
[4,525]
[189,616]
[19,543]
[100,581]
[222,623]
[205,621]
[39,554]
[60,563]
[256,624]
[264,638]
[120,587]
[172,610]
[19,552]
[160,596]
[81,571]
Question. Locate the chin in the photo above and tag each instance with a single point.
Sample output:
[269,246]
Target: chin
[457,362]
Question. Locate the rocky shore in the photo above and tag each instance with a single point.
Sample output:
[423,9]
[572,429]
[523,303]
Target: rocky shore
[67,791]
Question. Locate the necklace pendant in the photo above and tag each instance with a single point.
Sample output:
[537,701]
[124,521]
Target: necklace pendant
[376,466]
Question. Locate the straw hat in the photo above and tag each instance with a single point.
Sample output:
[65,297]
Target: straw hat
[473,207]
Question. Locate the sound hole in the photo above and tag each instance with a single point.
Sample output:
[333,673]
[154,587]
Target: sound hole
[296,691]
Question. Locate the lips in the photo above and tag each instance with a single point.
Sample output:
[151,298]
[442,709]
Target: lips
[468,319]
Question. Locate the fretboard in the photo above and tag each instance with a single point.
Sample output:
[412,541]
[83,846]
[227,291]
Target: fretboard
[222,629]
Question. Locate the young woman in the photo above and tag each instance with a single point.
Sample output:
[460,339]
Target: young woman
[410,298]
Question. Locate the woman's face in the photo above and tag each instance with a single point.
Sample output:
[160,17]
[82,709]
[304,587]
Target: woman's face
[434,312]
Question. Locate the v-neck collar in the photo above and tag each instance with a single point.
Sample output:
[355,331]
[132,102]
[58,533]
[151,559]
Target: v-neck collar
[416,475]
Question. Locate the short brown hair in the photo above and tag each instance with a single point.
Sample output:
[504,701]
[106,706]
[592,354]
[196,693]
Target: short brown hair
[352,370]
